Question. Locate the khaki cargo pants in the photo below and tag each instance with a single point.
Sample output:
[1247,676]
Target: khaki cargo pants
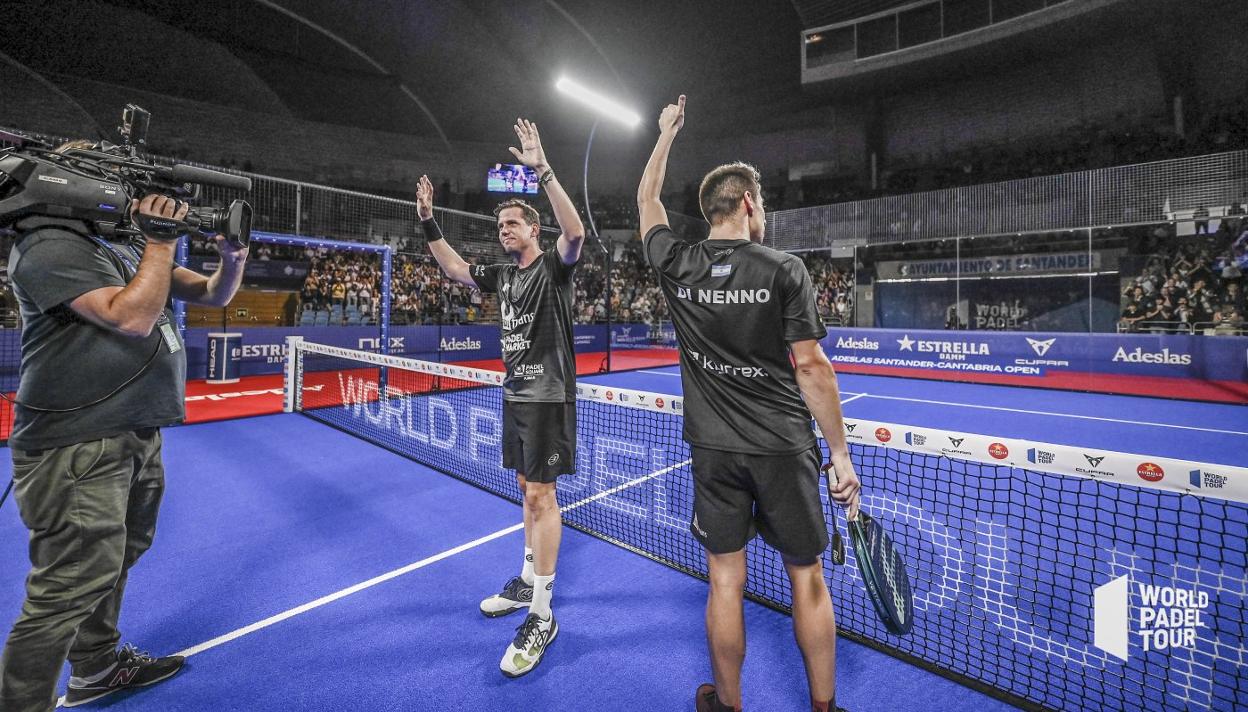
[91,510]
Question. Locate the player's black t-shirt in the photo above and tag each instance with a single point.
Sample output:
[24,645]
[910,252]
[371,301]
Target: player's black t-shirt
[736,305]
[535,308]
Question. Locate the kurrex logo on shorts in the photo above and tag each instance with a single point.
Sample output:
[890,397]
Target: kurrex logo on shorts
[1167,617]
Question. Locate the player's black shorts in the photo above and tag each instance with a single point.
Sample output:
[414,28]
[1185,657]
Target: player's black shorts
[737,495]
[539,439]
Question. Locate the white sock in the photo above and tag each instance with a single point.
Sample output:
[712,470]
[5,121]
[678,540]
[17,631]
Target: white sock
[543,590]
[526,573]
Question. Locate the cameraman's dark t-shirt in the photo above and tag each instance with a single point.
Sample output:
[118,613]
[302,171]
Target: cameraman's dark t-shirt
[68,361]
[535,308]
[736,306]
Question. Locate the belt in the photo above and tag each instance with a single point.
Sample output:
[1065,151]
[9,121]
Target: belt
[141,433]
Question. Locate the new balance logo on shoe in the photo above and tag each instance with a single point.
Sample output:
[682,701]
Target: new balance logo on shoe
[124,676]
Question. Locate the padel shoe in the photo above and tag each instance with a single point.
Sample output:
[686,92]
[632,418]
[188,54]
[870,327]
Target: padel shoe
[528,648]
[707,701]
[133,668]
[515,595]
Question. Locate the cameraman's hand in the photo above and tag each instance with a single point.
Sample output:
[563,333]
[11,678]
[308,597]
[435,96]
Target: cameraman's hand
[159,206]
[230,253]
[424,198]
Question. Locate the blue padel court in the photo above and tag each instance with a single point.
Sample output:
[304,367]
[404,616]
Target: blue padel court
[322,572]
[248,548]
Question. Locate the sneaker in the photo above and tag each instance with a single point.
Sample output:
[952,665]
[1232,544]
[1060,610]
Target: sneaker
[705,700]
[532,639]
[515,595]
[133,668]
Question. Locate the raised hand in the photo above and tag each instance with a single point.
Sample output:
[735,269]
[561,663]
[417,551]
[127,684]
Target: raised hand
[673,116]
[530,152]
[424,198]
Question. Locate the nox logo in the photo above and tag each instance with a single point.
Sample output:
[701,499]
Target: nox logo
[1166,617]
[1094,461]
[1040,347]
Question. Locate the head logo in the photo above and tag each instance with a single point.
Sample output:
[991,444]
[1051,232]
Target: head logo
[998,451]
[1094,461]
[1150,472]
[883,435]
[1040,347]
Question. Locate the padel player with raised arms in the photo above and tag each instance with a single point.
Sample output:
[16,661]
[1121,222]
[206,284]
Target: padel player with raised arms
[753,373]
[539,392]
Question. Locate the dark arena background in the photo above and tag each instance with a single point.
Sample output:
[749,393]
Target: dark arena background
[1026,224]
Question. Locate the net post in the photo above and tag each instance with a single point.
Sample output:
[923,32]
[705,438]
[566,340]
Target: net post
[387,266]
[292,384]
[179,306]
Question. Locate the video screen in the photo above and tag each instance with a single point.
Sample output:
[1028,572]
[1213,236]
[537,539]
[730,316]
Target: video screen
[511,178]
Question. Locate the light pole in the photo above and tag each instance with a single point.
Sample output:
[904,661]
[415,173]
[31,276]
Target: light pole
[603,106]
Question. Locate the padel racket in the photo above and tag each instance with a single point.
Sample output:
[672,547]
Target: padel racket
[882,569]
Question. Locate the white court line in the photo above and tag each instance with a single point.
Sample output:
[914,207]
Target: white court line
[337,595]
[850,400]
[659,373]
[1061,415]
[325,600]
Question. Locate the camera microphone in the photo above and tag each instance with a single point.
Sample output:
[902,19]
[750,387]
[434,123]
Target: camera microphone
[194,174]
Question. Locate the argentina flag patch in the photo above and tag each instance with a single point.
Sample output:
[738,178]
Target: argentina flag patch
[721,270]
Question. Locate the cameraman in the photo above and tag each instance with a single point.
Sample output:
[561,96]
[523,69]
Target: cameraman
[103,368]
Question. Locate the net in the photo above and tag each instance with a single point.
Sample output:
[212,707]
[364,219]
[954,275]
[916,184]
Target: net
[1030,585]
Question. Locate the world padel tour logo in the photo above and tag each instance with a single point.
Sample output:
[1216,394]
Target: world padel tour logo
[1150,472]
[1166,617]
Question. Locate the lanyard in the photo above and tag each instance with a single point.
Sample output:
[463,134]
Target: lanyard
[163,324]
[134,267]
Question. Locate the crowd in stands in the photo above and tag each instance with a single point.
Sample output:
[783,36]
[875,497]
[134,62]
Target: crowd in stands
[1191,284]
[834,287]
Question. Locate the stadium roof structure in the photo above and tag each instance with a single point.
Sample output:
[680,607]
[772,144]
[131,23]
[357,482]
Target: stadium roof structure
[448,70]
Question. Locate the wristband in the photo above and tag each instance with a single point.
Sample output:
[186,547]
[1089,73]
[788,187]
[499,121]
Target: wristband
[547,177]
[433,232]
